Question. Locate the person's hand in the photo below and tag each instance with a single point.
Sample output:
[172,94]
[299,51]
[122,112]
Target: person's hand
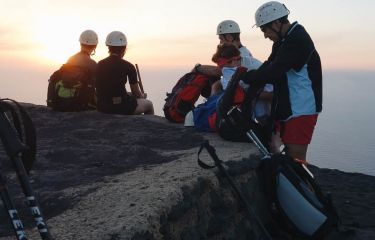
[276,143]
[196,68]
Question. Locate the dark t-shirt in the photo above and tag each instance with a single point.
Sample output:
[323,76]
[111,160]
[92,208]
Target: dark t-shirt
[112,74]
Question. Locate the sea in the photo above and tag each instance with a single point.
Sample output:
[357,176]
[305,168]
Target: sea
[344,137]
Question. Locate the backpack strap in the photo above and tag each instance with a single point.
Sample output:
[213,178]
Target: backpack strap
[25,129]
[212,153]
[219,164]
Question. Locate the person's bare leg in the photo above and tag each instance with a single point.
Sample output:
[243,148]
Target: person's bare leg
[297,151]
[144,106]
[276,143]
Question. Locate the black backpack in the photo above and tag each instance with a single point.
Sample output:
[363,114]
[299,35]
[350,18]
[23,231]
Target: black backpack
[71,89]
[233,130]
[295,200]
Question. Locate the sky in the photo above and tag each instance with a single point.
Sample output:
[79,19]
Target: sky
[37,36]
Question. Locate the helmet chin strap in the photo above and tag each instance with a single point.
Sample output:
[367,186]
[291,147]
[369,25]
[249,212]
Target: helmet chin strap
[279,35]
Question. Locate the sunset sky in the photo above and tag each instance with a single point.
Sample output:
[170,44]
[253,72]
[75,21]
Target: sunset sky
[37,36]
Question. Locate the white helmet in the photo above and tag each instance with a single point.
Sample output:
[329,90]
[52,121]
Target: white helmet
[227,26]
[88,37]
[116,39]
[269,12]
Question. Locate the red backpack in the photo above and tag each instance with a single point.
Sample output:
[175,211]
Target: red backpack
[184,95]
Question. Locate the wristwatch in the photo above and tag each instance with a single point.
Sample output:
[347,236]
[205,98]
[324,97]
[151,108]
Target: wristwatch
[196,67]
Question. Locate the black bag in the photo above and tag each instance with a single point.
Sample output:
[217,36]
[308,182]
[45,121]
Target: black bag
[232,99]
[295,200]
[71,89]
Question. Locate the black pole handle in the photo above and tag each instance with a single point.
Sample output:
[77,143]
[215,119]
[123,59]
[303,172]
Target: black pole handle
[11,141]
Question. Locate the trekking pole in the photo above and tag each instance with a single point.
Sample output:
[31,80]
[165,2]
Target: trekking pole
[11,210]
[252,136]
[139,79]
[218,164]
[14,147]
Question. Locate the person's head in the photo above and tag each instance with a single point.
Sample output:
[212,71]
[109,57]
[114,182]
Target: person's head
[229,32]
[116,42]
[227,55]
[89,41]
[272,19]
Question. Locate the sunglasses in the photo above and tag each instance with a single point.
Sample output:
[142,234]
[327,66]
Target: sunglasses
[265,26]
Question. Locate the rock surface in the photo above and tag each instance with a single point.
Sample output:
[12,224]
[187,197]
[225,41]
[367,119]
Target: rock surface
[100,176]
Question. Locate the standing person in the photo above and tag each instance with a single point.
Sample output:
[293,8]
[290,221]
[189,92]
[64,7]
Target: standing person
[229,31]
[294,68]
[113,73]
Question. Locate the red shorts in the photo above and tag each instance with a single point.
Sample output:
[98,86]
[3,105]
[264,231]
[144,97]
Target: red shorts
[298,130]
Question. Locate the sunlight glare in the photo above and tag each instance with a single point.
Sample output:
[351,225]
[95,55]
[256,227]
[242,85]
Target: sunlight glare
[57,38]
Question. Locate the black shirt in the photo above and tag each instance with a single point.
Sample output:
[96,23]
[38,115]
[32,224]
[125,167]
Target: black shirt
[112,74]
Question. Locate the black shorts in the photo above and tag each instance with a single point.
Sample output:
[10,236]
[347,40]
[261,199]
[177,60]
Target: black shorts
[126,107]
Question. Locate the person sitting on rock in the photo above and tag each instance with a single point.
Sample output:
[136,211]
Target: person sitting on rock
[112,75]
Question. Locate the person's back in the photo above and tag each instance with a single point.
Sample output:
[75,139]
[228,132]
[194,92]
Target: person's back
[83,59]
[112,75]
[71,88]
[88,40]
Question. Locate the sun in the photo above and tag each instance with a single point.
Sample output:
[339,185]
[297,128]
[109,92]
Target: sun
[56,38]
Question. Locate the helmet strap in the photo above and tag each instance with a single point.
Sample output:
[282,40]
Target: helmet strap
[279,31]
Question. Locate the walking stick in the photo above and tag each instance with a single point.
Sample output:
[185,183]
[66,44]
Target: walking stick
[14,147]
[139,79]
[218,163]
[11,210]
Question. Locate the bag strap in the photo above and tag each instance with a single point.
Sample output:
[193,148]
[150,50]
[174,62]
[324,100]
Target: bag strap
[250,211]
[211,150]
[25,129]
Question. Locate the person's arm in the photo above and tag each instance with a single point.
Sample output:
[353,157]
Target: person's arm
[133,82]
[136,92]
[289,55]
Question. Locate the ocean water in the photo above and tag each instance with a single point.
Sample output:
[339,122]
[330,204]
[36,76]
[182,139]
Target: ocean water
[344,137]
